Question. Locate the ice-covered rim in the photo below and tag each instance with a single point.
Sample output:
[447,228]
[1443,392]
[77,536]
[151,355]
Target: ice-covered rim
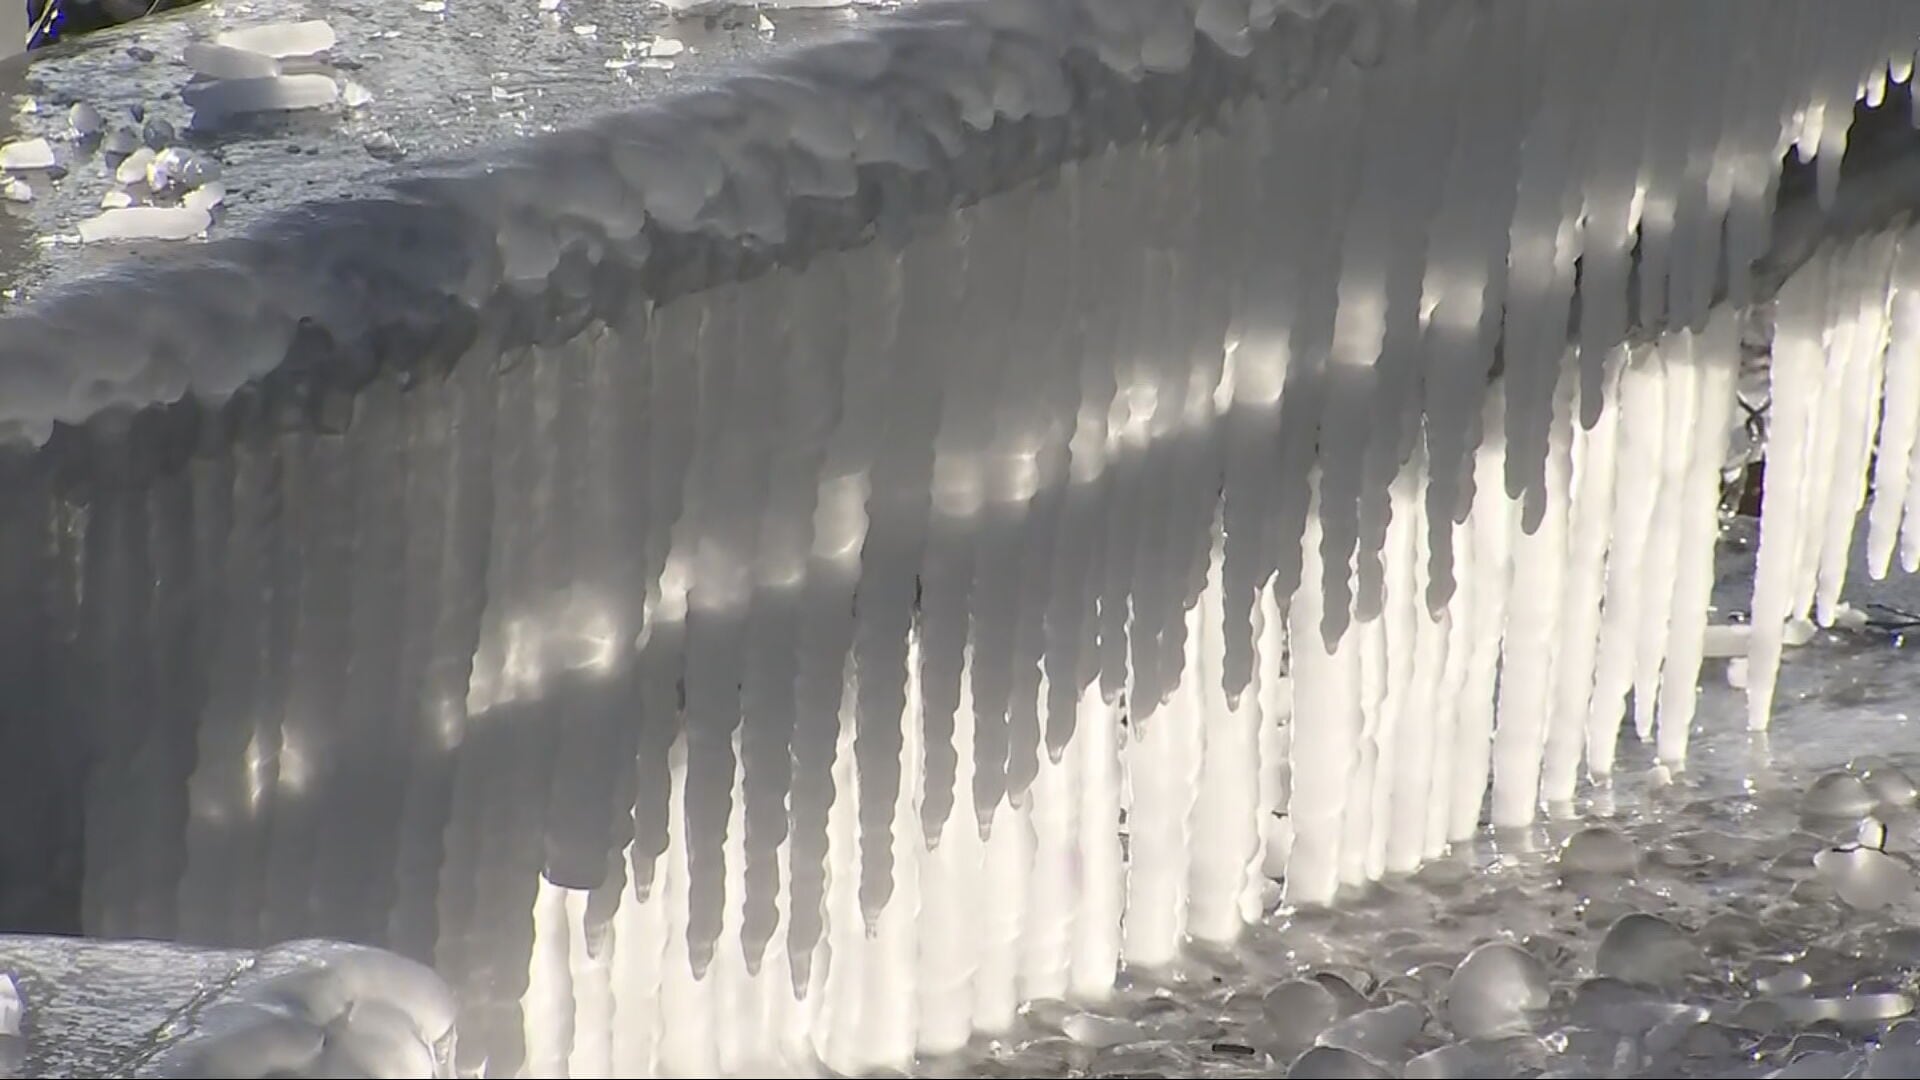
[821,148]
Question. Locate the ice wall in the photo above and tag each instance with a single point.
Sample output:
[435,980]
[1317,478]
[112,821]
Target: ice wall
[784,574]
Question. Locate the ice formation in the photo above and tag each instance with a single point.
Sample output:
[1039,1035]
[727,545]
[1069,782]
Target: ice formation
[819,654]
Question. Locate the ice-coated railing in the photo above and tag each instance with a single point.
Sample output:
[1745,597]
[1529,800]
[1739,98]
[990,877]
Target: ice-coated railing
[784,573]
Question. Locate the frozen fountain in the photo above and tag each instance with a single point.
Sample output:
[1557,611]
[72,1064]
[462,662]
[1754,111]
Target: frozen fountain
[857,536]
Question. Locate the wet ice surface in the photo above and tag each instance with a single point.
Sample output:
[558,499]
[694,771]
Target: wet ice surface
[1723,922]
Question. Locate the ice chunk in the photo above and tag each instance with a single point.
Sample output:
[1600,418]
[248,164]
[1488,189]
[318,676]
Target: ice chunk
[84,120]
[281,40]
[1334,1063]
[1088,1029]
[133,170]
[1298,1010]
[23,154]
[355,96]
[1641,948]
[1380,1034]
[14,189]
[1865,877]
[279,93]
[1890,785]
[1495,992]
[229,62]
[205,197]
[145,223]
[12,1008]
[1837,795]
[1598,850]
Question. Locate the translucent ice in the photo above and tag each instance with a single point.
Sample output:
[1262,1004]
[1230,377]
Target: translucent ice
[1837,795]
[280,40]
[1865,877]
[1598,850]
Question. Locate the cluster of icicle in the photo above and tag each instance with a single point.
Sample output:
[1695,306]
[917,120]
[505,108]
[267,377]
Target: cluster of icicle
[1153,536]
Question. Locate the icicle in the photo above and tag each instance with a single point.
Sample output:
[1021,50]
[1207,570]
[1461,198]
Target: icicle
[1900,415]
[1533,626]
[1716,356]
[1795,376]
[1680,377]
[1642,437]
[1857,417]
[1326,722]
[1593,457]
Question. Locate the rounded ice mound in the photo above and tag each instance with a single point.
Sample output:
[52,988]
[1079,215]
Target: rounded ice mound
[1598,850]
[1866,877]
[1641,948]
[1837,795]
[1088,1029]
[1494,991]
[1299,1010]
[1333,1063]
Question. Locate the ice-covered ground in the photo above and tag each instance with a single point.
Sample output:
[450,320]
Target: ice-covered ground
[1780,867]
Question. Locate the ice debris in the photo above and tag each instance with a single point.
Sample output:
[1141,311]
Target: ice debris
[145,223]
[281,40]
[25,154]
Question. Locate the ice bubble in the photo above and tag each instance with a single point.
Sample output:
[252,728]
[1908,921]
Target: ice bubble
[26,154]
[1495,990]
[281,40]
[1381,1033]
[1099,1031]
[1866,877]
[280,93]
[145,223]
[1333,1063]
[1299,1010]
[1647,949]
[1622,1008]
[1837,795]
[227,62]
[1598,850]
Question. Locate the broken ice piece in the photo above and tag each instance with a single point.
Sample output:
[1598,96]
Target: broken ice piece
[166,169]
[145,223]
[656,64]
[15,189]
[134,168]
[115,199]
[666,47]
[432,7]
[281,39]
[619,64]
[586,29]
[549,5]
[353,95]
[205,197]
[26,154]
[766,25]
[84,119]
[283,92]
[227,62]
